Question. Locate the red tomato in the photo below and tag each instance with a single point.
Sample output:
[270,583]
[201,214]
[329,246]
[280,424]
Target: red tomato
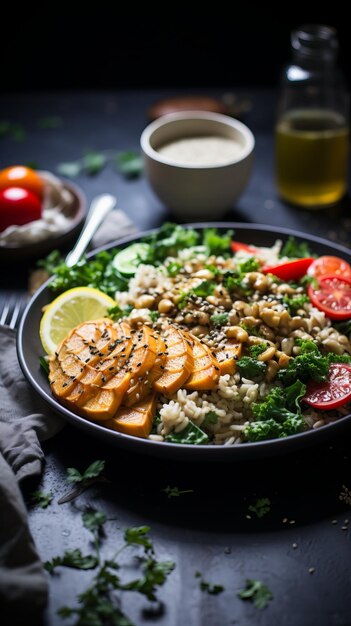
[238,246]
[18,206]
[291,270]
[332,296]
[334,392]
[329,265]
[24,177]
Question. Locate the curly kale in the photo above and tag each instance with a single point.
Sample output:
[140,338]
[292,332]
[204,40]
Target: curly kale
[279,415]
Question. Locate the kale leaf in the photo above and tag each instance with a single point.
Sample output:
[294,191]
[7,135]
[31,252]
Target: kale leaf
[251,368]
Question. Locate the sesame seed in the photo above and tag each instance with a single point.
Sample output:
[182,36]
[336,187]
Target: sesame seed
[311,570]
[294,546]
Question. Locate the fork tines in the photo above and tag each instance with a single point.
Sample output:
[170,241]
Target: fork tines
[11,311]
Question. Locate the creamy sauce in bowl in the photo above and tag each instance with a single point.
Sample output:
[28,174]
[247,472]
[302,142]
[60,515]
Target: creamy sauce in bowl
[202,151]
[54,221]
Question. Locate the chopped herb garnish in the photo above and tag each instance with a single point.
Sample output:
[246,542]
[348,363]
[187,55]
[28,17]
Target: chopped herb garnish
[93,471]
[50,122]
[92,474]
[154,315]
[72,558]
[116,313]
[173,268]
[130,164]
[94,162]
[256,592]
[71,169]
[102,599]
[42,499]
[261,507]
[173,492]
[210,418]
[219,319]
[13,130]
[210,588]
[294,303]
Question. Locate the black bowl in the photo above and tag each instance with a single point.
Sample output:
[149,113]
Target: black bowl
[29,350]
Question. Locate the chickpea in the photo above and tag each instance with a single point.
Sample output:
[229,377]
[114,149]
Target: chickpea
[238,333]
[144,302]
[199,330]
[165,305]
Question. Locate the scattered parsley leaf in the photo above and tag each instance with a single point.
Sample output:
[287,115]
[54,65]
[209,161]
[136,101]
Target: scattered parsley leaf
[50,122]
[94,162]
[42,499]
[33,165]
[74,559]
[210,588]
[13,130]
[137,536]
[73,475]
[71,169]
[99,603]
[257,592]
[116,312]
[91,475]
[294,303]
[261,507]
[173,492]
[130,164]
[93,520]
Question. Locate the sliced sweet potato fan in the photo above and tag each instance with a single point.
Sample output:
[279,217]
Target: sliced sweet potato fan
[108,372]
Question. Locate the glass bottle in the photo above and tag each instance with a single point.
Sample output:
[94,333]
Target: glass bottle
[312,133]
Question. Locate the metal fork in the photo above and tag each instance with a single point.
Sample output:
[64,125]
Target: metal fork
[12,310]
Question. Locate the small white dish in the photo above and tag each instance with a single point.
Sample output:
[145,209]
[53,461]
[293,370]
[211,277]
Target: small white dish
[207,186]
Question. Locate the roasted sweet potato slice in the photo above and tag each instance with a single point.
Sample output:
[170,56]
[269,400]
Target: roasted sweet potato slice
[143,386]
[206,370]
[94,386]
[179,362]
[228,356]
[136,420]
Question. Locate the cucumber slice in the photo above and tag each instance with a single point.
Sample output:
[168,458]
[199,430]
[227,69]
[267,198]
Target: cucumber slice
[128,260]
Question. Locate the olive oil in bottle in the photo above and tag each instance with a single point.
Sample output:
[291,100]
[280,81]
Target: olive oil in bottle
[312,129]
[312,152]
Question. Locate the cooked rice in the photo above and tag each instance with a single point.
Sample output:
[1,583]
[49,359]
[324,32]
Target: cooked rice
[265,312]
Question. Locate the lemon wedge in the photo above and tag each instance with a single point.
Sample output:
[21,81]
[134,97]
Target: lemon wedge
[71,308]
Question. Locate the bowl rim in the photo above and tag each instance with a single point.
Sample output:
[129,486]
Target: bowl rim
[147,133]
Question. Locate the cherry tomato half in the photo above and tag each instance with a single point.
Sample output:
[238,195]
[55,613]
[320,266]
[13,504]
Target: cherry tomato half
[24,177]
[18,206]
[292,270]
[332,296]
[333,392]
[238,246]
[329,265]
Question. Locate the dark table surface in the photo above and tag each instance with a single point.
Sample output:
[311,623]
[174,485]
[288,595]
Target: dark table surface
[301,548]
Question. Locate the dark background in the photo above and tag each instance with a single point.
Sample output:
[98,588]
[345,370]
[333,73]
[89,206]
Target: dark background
[58,47]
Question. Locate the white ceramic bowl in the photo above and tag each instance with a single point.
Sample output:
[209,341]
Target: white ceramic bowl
[192,190]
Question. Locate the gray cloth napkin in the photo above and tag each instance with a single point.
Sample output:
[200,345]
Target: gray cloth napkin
[25,421]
